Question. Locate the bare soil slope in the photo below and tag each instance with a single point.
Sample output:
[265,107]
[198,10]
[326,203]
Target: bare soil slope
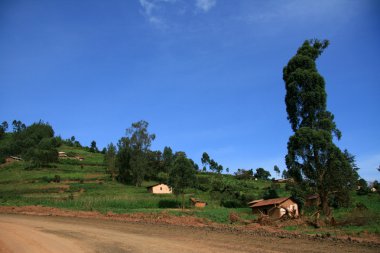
[20,233]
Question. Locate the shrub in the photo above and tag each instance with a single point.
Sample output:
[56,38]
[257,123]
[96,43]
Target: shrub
[360,217]
[270,194]
[56,179]
[168,203]
[71,154]
[46,179]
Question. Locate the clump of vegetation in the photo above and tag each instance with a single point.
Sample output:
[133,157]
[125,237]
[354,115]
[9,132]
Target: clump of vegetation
[35,143]
[56,179]
[360,216]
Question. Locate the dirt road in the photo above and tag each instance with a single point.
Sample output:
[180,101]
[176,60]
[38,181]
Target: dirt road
[20,233]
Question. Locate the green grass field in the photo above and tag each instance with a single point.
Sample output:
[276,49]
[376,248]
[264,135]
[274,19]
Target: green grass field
[84,185]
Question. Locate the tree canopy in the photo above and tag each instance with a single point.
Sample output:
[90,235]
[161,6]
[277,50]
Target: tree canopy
[35,143]
[132,158]
[312,155]
[182,175]
[262,174]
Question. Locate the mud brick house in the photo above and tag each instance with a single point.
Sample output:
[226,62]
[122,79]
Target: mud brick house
[159,189]
[313,200]
[198,203]
[275,208]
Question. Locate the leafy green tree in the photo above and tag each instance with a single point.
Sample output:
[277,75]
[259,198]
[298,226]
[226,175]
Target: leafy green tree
[3,128]
[139,136]
[35,143]
[18,126]
[93,147]
[277,170]
[110,160]
[262,174]
[123,158]
[154,165]
[312,155]
[243,174]
[182,176]
[132,158]
[213,166]
[168,158]
[43,153]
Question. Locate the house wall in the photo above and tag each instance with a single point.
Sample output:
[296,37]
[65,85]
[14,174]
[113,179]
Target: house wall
[277,212]
[200,204]
[160,189]
[290,206]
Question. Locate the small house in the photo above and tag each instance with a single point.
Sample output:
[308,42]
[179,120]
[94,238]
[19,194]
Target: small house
[12,159]
[159,189]
[313,200]
[62,154]
[198,203]
[276,208]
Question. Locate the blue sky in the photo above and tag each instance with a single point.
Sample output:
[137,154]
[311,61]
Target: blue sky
[206,74]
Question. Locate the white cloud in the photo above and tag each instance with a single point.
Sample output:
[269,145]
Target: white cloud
[155,11]
[205,5]
[148,6]
[151,10]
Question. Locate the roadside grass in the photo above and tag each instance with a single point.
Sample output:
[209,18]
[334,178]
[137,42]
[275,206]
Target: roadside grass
[353,220]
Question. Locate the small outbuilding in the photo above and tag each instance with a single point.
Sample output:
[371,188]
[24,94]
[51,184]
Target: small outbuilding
[198,203]
[160,189]
[62,154]
[80,158]
[276,208]
[12,159]
[313,200]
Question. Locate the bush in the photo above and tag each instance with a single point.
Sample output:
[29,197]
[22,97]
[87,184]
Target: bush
[46,179]
[56,179]
[169,203]
[231,203]
[360,217]
[270,194]
[71,154]
[2,158]
[363,191]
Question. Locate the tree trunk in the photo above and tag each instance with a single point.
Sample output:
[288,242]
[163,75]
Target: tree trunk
[324,203]
[183,201]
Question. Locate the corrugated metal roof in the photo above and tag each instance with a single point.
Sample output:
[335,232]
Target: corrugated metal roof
[269,202]
[255,201]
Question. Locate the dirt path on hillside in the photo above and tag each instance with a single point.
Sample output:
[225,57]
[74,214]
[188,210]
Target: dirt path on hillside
[20,233]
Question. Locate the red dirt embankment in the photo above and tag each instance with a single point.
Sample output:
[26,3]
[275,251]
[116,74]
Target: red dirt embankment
[165,218]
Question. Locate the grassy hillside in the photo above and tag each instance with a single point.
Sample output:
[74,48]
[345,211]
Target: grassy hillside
[84,185]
